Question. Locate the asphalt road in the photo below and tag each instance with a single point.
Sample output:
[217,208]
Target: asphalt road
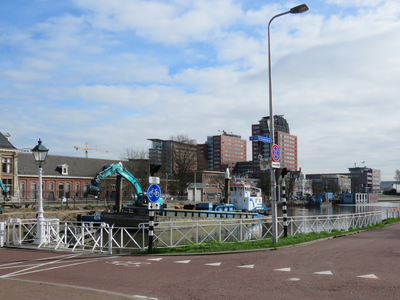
[365,265]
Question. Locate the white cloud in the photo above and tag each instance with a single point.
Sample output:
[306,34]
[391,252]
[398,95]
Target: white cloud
[116,73]
[167,22]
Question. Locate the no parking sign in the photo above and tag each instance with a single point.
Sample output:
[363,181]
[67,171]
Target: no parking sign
[275,152]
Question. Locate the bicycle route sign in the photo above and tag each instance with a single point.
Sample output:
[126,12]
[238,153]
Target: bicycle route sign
[275,152]
[153,193]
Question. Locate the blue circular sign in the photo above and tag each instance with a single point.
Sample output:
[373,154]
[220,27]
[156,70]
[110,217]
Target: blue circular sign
[153,193]
[275,152]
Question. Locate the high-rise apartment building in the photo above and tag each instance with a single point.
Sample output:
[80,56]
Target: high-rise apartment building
[223,151]
[287,143]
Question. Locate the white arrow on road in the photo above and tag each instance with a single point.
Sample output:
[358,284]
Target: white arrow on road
[324,273]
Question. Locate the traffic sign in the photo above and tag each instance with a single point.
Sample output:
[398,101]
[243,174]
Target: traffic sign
[264,139]
[275,164]
[153,193]
[275,152]
[153,205]
[155,180]
[261,138]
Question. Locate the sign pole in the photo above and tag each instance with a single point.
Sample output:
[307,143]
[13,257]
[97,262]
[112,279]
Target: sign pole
[284,210]
[151,228]
[153,195]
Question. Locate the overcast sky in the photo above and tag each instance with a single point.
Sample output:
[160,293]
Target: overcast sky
[116,73]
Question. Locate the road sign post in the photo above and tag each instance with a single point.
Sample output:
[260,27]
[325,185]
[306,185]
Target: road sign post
[153,194]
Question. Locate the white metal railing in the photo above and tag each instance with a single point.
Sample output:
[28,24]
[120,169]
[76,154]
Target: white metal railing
[100,237]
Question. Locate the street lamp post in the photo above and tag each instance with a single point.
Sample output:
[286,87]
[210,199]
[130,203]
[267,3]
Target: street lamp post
[40,153]
[294,10]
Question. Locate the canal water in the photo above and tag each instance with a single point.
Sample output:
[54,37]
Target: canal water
[342,209]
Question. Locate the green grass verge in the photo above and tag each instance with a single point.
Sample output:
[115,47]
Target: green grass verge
[261,244]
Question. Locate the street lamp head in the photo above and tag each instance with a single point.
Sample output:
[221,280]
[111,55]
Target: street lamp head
[299,9]
[40,152]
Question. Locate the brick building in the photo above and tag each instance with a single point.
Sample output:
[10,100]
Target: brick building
[9,165]
[282,137]
[223,151]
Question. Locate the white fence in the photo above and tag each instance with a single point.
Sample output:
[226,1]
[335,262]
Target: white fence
[100,237]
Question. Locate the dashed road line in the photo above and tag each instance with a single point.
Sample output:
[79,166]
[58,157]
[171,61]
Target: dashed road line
[246,266]
[283,269]
[324,273]
[182,262]
[213,264]
[369,276]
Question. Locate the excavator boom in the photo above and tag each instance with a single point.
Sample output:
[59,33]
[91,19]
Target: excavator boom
[3,187]
[120,170]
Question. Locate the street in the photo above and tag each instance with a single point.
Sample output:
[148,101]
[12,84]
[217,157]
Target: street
[364,265]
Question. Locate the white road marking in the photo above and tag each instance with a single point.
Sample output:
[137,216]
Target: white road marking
[371,276]
[19,263]
[154,259]
[213,264]
[294,279]
[27,271]
[246,266]
[182,262]
[283,270]
[324,273]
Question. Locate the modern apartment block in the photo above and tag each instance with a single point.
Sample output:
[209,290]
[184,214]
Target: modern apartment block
[282,137]
[365,180]
[173,154]
[223,151]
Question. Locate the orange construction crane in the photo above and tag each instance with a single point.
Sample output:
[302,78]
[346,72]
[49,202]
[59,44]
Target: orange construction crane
[86,150]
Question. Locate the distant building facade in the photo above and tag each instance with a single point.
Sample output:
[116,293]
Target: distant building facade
[170,154]
[287,143]
[365,180]
[223,151]
[63,177]
[360,180]
[9,165]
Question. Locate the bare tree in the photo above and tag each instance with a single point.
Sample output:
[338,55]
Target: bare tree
[317,187]
[397,176]
[183,138]
[184,162]
[265,184]
[137,163]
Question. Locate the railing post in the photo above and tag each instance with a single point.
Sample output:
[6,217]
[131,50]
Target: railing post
[241,230]
[197,232]
[170,235]
[291,226]
[83,235]
[220,231]
[110,234]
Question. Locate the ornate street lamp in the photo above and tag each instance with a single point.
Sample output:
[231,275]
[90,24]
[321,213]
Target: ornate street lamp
[40,153]
[294,10]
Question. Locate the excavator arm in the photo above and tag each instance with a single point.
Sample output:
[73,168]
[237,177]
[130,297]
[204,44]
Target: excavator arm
[3,187]
[120,170]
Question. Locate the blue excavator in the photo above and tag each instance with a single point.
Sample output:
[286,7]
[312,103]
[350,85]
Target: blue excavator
[120,170]
[3,187]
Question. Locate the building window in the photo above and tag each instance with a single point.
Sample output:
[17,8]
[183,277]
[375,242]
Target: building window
[77,189]
[7,165]
[33,190]
[22,190]
[61,190]
[68,190]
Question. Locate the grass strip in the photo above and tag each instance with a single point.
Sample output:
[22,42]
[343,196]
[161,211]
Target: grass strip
[262,244]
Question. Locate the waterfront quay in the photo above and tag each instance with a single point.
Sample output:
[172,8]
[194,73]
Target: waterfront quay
[363,265]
